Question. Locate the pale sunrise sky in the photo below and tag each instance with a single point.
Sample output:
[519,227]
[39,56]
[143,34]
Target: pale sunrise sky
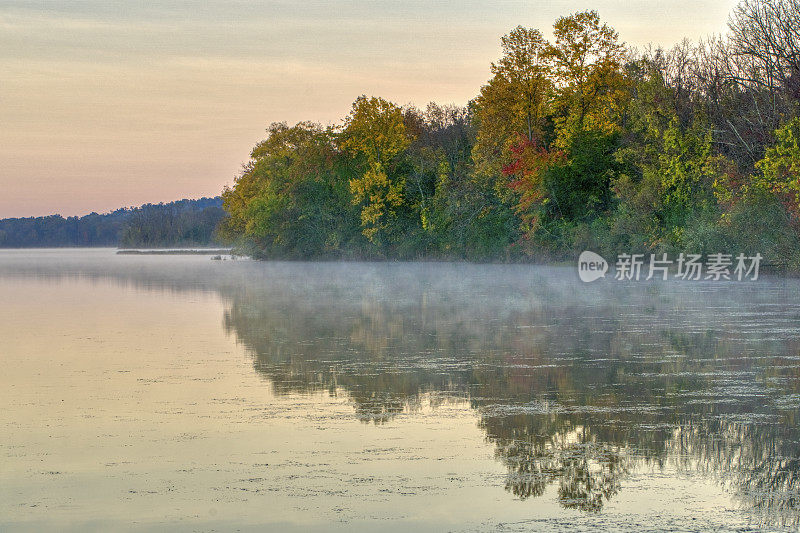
[105,104]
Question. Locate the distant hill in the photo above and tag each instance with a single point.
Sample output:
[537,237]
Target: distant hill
[180,223]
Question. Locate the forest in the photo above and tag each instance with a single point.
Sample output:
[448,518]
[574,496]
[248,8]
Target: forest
[179,223]
[579,142]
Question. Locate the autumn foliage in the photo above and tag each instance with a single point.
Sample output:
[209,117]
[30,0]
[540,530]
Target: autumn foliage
[574,143]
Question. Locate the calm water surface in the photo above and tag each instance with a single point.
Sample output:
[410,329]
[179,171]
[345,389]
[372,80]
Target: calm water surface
[176,392]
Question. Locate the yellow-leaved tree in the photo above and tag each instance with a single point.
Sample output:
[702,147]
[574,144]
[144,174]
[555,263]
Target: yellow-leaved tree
[514,102]
[587,60]
[375,136]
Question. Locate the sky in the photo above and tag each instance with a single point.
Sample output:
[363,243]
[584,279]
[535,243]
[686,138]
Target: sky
[106,104]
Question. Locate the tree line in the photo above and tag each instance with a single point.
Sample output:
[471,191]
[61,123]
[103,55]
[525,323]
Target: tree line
[576,143]
[179,223]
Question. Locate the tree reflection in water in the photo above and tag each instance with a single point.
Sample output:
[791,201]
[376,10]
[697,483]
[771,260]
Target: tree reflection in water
[575,390]
[576,386]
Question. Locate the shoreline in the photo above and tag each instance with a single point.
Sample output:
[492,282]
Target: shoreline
[177,251]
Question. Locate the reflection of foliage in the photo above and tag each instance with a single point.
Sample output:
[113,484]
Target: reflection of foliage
[588,473]
[759,462]
[594,421]
[558,414]
[574,389]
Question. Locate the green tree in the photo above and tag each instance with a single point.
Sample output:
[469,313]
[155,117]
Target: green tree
[291,200]
[780,167]
[667,173]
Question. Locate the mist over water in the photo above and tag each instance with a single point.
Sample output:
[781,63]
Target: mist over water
[145,391]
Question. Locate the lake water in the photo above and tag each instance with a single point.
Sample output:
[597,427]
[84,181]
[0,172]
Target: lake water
[181,393]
